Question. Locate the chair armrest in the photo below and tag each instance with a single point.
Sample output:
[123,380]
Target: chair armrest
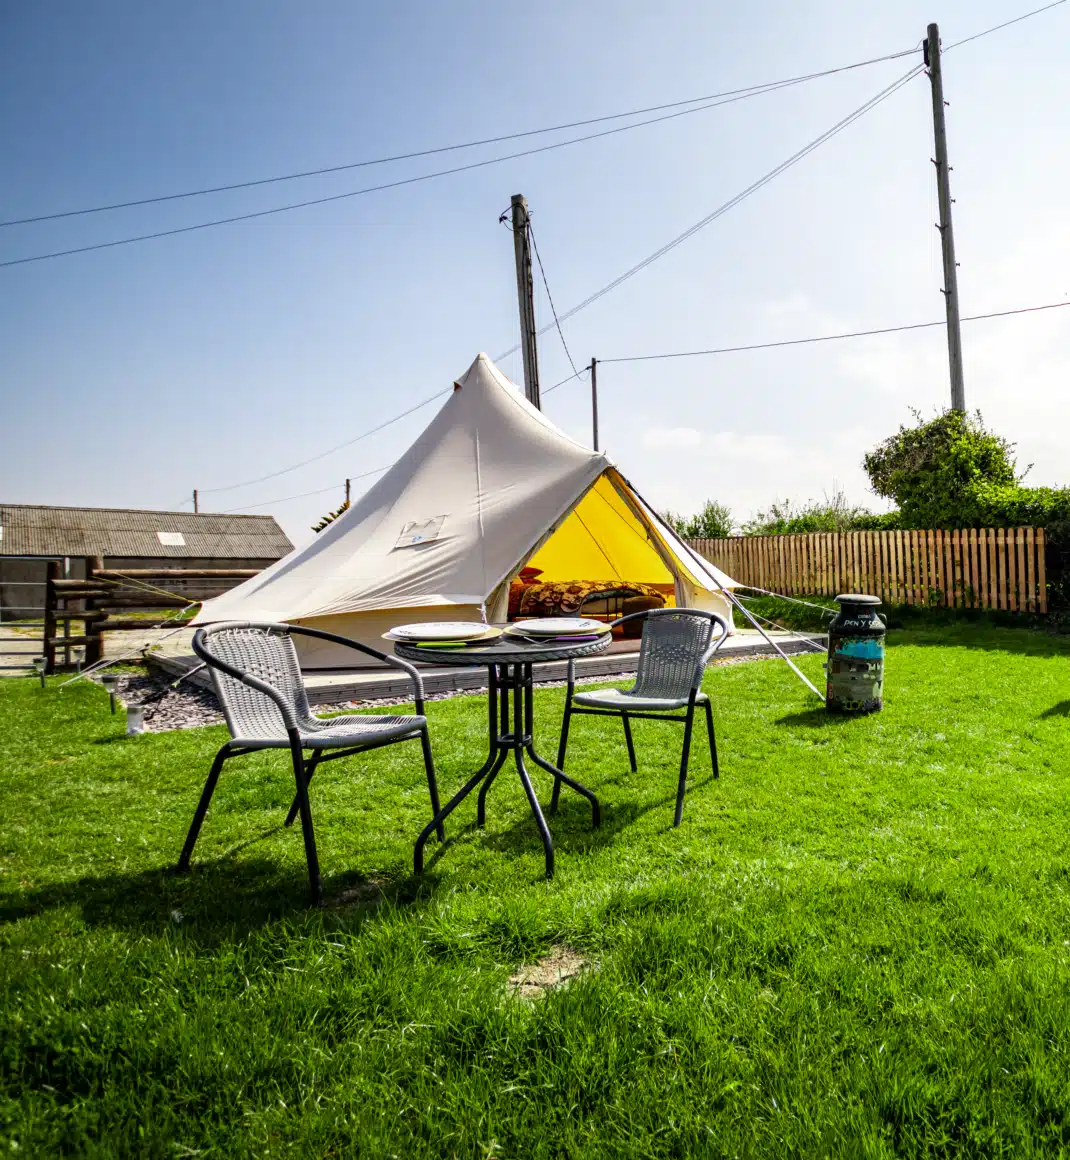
[392,661]
[712,648]
[285,708]
[717,641]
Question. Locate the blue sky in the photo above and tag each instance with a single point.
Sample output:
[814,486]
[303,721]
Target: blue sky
[132,375]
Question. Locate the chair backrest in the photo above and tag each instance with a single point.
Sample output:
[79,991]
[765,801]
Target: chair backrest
[674,643]
[265,652]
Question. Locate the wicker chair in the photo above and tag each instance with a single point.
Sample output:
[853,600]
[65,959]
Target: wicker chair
[677,645]
[258,681]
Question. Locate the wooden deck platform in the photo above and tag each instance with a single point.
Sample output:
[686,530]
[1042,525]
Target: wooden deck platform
[371,685]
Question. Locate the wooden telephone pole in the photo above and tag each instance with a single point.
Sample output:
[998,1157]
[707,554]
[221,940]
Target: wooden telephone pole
[525,289]
[594,402]
[947,234]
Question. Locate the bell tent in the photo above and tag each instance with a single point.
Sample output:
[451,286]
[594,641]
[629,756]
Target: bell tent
[489,488]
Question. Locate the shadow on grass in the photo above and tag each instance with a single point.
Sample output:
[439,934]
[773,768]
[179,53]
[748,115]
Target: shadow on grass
[821,719]
[217,902]
[1061,709]
[570,827]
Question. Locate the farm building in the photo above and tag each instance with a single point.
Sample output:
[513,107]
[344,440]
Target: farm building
[31,535]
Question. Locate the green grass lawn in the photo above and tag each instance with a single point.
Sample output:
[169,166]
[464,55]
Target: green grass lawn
[856,945]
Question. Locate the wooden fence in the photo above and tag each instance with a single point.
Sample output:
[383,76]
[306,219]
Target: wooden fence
[967,568]
[108,600]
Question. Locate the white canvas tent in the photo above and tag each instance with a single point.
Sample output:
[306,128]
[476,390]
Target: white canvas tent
[489,487]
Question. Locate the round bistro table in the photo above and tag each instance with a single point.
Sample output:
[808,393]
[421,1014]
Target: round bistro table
[509,664]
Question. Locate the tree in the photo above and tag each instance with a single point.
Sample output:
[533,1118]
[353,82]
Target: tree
[330,517]
[713,522]
[944,472]
[832,514]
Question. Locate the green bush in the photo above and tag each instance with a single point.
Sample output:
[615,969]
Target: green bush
[952,472]
[832,514]
[938,472]
[713,522]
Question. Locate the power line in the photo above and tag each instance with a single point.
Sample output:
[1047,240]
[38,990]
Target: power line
[282,499]
[749,90]
[1005,24]
[578,374]
[794,159]
[872,103]
[550,299]
[688,233]
[822,337]
[329,451]
[384,185]
[640,358]
[302,495]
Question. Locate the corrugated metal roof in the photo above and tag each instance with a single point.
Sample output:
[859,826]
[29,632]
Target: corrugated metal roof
[32,530]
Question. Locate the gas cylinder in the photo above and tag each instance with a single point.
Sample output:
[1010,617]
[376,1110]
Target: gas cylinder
[855,668]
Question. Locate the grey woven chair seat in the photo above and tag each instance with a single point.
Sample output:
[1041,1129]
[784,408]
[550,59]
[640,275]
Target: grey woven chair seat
[677,645]
[338,732]
[258,681]
[625,699]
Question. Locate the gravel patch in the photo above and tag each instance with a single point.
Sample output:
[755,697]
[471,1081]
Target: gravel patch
[167,708]
[187,706]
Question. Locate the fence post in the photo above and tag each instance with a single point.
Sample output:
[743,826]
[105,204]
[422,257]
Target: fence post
[94,643]
[49,643]
[1042,570]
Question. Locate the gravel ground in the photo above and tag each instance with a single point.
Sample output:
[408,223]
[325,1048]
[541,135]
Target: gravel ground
[188,707]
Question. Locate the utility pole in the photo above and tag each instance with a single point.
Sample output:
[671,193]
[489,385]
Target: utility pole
[594,401]
[347,493]
[196,508]
[525,289]
[947,234]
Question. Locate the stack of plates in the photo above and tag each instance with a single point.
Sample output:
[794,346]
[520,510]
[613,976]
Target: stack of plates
[558,628]
[444,633]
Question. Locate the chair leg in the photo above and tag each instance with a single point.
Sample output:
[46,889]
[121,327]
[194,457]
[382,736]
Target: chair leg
[202,807]
[713,739]
[683,764]
[628,738]
[432,784]
[311,857]
[310,769]
[562,746]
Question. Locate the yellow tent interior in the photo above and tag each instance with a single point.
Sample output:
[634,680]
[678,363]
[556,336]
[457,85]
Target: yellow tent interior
[601,539]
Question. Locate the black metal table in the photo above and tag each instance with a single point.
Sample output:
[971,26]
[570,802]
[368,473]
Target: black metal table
[509,664]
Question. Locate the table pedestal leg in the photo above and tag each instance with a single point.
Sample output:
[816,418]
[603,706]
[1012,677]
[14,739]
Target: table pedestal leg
[517,680]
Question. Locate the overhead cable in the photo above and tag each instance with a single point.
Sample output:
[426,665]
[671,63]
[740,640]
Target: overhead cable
[623,359]
[241,217]
[1005,24]
[827,337]
[303,494]
[753,188]
[743,93]
[550,299]
[330,450]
